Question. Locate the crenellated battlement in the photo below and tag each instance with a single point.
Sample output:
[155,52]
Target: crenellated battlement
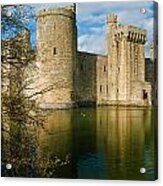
[132,33]
[112,18]
[68,11]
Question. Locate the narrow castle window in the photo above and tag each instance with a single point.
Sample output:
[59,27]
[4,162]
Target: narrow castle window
[107,89]
[54,51]
[145,94]
[72,94]
[104,68]
[117,90]
[118,69]
[100,88]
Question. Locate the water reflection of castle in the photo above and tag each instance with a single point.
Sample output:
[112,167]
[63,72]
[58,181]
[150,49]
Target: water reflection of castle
[108,144]
[124,140]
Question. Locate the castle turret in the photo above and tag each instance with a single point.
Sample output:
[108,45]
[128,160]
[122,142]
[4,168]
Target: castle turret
[56,55]
[112,25]
[112,56]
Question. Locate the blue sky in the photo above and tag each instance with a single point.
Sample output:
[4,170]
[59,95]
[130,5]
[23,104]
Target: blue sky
[91,21]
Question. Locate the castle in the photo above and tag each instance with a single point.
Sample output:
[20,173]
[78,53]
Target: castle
[72,78]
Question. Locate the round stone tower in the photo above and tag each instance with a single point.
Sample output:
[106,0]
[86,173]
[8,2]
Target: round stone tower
[56,56]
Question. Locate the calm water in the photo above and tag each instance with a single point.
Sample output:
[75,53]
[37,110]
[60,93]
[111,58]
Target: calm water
[102,143]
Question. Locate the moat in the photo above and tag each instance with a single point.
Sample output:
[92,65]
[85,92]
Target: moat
[102,143]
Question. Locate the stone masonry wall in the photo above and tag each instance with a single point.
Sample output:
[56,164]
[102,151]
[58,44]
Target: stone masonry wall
[92,79]
[102,86]
[85,78]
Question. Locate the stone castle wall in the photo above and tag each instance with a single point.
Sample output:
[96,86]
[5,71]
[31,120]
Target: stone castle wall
[102,87]
[85,78]
[91,79]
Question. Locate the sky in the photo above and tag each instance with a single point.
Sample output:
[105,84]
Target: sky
[91,21]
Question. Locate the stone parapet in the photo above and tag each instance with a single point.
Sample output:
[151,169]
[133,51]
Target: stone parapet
[131,33]
[68,11]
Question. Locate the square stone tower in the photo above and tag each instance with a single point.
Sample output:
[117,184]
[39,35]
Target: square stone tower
[126,64]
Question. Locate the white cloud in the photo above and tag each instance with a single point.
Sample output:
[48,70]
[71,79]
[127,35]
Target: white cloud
[95,14]
[92,43]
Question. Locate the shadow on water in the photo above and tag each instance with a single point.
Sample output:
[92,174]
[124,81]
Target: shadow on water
[90,143]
